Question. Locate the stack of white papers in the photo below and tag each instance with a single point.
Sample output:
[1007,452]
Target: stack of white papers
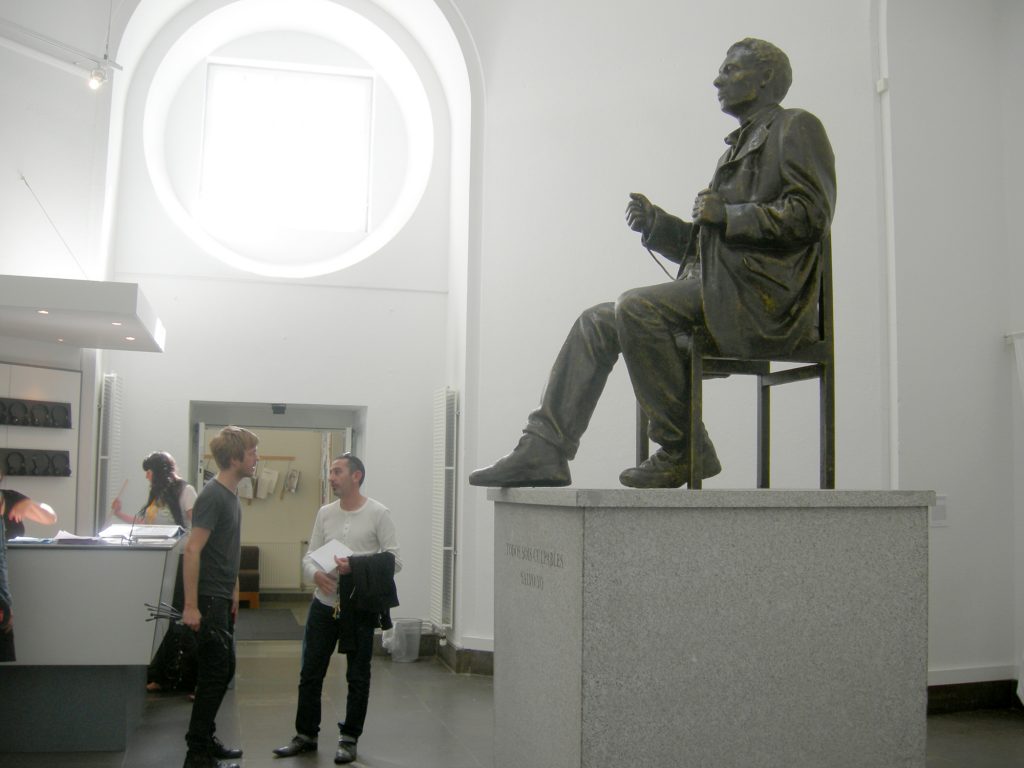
[324,556]
[63,535]
[126,530]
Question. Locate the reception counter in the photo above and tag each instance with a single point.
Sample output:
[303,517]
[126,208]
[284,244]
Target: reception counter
[82,641]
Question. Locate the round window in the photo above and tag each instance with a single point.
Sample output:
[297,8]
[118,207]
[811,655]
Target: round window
[288,143]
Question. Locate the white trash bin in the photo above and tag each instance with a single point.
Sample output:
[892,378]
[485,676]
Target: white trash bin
[405,645]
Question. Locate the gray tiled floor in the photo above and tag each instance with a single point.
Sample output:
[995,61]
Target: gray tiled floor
[423,716]
[983,739]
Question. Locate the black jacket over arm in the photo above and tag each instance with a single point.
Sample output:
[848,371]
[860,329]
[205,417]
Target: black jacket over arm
[369,591]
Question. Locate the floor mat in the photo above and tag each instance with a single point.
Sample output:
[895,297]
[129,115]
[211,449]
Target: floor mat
[267,624]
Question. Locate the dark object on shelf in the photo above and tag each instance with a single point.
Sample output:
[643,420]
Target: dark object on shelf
[17,412]
[43,463]
[60,465]
[40,464]
[35,413]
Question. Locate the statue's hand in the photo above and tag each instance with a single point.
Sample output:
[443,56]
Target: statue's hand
[708,208]
[639,213]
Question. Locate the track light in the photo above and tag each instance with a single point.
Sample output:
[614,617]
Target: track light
[61,55]
[96,78]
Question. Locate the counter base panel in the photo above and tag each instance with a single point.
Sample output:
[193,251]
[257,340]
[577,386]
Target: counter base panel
[70,709]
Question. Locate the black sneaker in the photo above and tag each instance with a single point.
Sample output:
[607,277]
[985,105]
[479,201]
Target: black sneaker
[346,750]
[222,752]
[296,746]
[200,760]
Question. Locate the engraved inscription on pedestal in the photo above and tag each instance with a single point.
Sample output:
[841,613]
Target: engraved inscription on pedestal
[538,573]
[535,560]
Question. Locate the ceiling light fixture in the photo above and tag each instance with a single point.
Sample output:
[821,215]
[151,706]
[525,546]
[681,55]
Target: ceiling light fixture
[40,47]
[42,311]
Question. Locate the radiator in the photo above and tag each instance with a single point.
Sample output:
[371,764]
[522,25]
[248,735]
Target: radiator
[280,564]
[110,468]
[443,514]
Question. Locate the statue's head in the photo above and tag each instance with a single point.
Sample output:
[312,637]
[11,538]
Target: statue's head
[755,73]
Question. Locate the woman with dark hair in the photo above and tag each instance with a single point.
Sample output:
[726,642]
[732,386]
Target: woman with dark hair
[170,503]
[170,498]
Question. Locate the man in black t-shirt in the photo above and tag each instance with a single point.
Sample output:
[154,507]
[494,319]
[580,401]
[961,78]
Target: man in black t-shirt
[211,590]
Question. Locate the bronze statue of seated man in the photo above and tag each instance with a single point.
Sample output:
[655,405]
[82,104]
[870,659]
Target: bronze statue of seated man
[749,273]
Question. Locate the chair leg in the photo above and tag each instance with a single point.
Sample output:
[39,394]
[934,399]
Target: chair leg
[696,408]
[764,433]
[643,443]
[827,396]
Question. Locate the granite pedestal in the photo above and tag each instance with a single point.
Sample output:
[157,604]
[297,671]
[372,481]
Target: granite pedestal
[710,629]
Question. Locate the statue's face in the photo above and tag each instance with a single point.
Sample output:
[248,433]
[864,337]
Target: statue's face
[739,83]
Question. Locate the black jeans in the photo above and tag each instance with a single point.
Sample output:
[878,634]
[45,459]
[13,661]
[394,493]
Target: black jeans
[216,667]
[318,645]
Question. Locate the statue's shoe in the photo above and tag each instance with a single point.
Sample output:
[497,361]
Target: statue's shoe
[661,470]
[533,463]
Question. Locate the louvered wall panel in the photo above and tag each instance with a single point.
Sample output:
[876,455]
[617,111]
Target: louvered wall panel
[443,512]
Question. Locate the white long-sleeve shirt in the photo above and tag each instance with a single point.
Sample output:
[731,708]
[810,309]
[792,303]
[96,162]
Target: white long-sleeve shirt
[366,531]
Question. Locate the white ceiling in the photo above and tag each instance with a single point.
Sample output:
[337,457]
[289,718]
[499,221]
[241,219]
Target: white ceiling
[87,314]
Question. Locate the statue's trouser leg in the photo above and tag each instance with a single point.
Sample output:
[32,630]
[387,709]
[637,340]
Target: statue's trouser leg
[647,320]
[577,379]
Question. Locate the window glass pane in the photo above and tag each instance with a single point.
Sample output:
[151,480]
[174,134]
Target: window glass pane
[286,148]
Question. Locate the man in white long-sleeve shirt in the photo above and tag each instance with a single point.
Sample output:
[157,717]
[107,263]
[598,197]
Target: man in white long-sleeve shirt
[345,617]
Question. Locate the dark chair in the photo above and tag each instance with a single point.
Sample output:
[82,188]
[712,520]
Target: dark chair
[249,575]
[814,361]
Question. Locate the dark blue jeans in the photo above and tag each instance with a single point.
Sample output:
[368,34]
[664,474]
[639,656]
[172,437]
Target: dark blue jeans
[318,645]
[216,667]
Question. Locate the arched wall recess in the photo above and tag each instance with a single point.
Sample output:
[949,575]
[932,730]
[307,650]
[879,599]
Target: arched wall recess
[314,17]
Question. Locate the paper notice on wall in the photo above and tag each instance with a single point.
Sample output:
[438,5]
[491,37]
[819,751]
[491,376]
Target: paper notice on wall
[245,488]
[266,483]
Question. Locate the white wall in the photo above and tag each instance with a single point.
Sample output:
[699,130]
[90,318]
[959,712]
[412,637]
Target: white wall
[54,134]
[262,342]
[579,104]
[1011,99]
[954,295]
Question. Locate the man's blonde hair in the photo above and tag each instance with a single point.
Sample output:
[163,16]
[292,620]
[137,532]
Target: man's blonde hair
[232,443]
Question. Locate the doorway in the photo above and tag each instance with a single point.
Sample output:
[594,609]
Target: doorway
[297,443]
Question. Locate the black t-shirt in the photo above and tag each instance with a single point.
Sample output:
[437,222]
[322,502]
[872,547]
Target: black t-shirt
[217,509]
[12,528]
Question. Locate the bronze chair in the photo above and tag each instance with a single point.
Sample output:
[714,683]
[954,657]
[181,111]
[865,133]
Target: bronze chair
[814,361]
